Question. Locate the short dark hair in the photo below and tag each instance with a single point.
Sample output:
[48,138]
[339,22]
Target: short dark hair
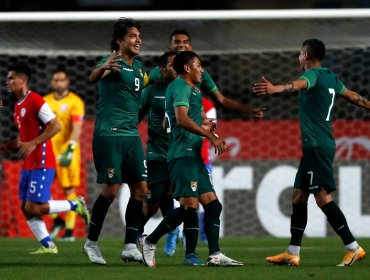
[163,59]
[60,69]
[21,68]
[315,49]
[120,29]
[182,59]
[180,31]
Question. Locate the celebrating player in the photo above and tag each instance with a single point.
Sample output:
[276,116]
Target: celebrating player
[318,87]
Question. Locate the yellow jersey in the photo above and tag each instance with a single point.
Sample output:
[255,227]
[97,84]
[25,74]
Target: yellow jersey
[69,109]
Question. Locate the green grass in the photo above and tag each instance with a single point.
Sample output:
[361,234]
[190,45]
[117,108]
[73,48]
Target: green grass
[319,257]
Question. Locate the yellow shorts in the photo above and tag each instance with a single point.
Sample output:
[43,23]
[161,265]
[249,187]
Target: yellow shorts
[69,176]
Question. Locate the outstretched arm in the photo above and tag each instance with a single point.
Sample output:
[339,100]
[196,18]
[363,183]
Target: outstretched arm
[356,99]
[235,106]
[266,87]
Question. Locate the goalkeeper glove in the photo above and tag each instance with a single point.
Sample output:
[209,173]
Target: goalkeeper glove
[66,157]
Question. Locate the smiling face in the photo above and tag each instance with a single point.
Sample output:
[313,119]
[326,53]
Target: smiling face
[195,70]
[180,43]
[131,43]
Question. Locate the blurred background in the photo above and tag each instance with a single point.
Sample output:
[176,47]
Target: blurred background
[254,177]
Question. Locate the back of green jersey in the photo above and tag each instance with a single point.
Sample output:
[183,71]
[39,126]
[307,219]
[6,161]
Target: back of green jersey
[316,106]
[182,142]
[153,102]
[119,100]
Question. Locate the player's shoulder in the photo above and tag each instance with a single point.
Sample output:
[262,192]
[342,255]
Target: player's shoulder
[74,96]
[48,96]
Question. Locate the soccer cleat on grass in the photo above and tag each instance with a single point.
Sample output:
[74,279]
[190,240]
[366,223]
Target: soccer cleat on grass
[350,257]
[132,255]
[148,252]
[192,260]
[92,251]
[171,242]
[220,259]
[82,209]
[284,259]
[43,250]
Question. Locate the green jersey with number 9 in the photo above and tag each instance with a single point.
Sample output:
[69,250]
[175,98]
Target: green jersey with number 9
[119,100]
[316,106]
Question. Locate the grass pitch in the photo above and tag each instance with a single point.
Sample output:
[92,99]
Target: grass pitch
[318,261]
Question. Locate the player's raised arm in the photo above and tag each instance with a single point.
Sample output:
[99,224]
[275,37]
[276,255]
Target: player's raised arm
[102,70]
[356,99]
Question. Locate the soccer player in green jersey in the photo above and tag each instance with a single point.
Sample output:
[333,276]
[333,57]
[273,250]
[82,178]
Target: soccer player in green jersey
[189,176]
[318,87]
[180,41]
[159,183]
[117,148]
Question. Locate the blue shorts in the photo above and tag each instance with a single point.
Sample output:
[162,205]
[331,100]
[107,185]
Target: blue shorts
[35,184]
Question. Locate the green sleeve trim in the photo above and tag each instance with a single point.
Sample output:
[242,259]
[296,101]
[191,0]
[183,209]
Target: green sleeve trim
[213,90]
[307,80]
[342,90]
[181,104]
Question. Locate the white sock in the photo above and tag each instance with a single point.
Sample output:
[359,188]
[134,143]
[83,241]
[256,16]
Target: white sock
[351,246]
[58,206]
[38,227]
[294,250]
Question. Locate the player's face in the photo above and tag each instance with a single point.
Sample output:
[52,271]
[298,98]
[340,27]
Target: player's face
[180,43]
[196,71]
[14,83]
[60,82]
[169,73]
[131,42]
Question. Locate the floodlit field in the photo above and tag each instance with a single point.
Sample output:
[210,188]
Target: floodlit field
[319,259]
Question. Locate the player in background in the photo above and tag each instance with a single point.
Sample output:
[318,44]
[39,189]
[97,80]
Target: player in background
[117,148]
[189,177]
[318,87]
[36,125]
[159,182]
[69,110]
[180,41]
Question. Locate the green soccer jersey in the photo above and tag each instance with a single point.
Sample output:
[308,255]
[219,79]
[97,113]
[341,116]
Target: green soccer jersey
[153,102]
[119,100]
[182,142]
[207,85]
[316,106]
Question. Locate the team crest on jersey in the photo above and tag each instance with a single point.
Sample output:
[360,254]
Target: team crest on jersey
[63,107]
[141,72]
[194,186]
[149,195]
[110,172]
[23,112]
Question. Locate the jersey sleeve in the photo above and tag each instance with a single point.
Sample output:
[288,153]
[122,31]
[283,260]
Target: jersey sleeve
[77,110]
[340,87]
[155,74]
[310,77]
[207,85]
[45,114]
[181,97]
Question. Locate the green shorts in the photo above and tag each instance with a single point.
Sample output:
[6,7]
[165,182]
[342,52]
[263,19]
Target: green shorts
[315,171]
[189,177]
[119,159]
[159,182]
